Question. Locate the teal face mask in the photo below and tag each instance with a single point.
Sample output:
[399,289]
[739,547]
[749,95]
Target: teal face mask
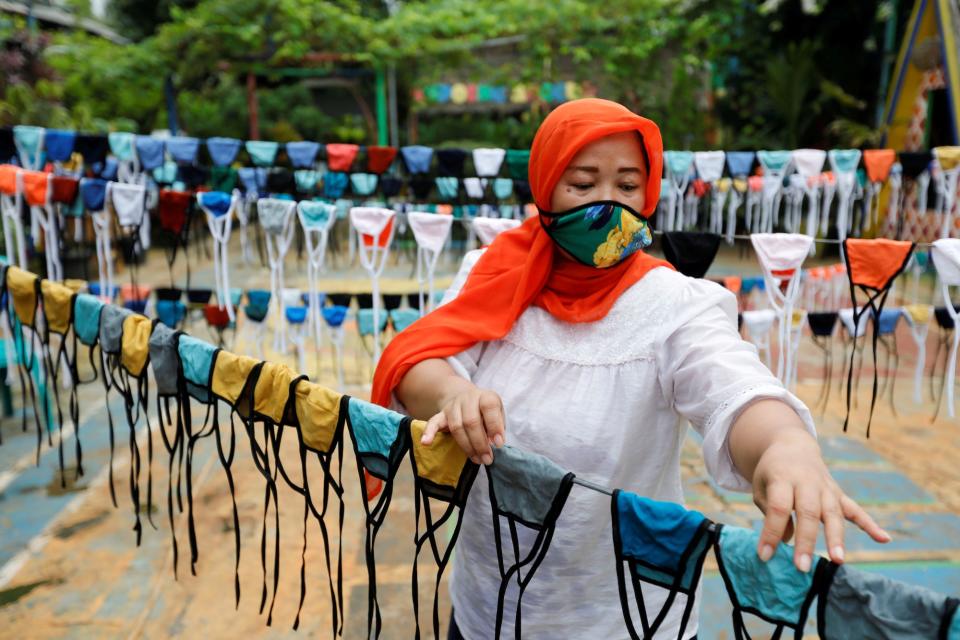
[598,234]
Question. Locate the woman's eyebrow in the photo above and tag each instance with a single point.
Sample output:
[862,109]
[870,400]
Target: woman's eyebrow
[628,170]
[586,168]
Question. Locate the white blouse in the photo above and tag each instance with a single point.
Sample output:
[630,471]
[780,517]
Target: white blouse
[608,400]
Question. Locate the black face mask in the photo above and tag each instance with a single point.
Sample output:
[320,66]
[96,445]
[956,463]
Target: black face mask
[690,252]
[914,163]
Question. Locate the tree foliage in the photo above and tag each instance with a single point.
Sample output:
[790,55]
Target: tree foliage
[759,75]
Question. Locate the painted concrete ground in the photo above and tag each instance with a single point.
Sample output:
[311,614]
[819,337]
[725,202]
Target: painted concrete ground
[69,566]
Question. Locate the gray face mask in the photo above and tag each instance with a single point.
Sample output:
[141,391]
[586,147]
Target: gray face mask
[111,328]
[858,604]
[163,359]
[530,490]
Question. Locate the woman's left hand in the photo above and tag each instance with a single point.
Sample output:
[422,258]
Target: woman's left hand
[791,477]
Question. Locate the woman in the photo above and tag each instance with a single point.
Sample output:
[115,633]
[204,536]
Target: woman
[573,343]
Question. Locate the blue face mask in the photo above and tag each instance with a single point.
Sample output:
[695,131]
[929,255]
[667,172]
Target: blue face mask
[598,234]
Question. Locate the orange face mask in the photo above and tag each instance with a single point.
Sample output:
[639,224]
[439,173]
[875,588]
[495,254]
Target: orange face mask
[35,187]
[8,179]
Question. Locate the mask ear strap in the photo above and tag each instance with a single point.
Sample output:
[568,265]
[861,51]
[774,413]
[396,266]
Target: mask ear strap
[226,461]
[429,535]
[105,375]
[53,375]
[143,388]
[26,362]
[171,447]
[621,577]
[270,438]
[336,594]
[73,403]
[132,413]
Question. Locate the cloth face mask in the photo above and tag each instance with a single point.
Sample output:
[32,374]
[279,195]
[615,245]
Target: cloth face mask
[598,234]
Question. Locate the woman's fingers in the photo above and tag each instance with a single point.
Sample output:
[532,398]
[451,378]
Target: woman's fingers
[455,426]
[491,410]
[777,508]
[434,424]
[855,514]
[476,433]
[832,516]
[808,508]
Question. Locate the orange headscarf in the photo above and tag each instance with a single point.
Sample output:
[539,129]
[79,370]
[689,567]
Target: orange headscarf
[519,268]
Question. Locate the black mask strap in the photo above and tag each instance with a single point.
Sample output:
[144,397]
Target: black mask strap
[424,494]
[173,446]
[873,304]
[375,516]
[52,366]
[26,361]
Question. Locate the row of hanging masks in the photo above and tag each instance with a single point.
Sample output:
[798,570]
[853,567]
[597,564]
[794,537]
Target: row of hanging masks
[870,270]
[115,209]
[657,545]
[176,163]
[804,190]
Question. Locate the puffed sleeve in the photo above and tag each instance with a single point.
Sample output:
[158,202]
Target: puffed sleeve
[710,374]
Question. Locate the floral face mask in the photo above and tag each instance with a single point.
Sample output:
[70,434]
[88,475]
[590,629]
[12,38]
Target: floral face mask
[598,234]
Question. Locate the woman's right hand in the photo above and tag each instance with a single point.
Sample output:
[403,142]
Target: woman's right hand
[475,419]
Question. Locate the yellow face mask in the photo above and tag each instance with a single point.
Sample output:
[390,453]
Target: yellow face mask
[57,306]
[135,345]
[318,411]
[22,286]
[230,374]
[441,463]
[272,392]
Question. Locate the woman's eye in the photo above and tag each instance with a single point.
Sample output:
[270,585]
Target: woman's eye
[582,186]
[628,187]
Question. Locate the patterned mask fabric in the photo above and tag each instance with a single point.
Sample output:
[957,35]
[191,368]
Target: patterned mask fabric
[662,544]
[872,266]
[380,439]
[856,604]
[599,234]
[691,252]
[530,490]
[441,473]
[775,591]
[23,295]
[57,304]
